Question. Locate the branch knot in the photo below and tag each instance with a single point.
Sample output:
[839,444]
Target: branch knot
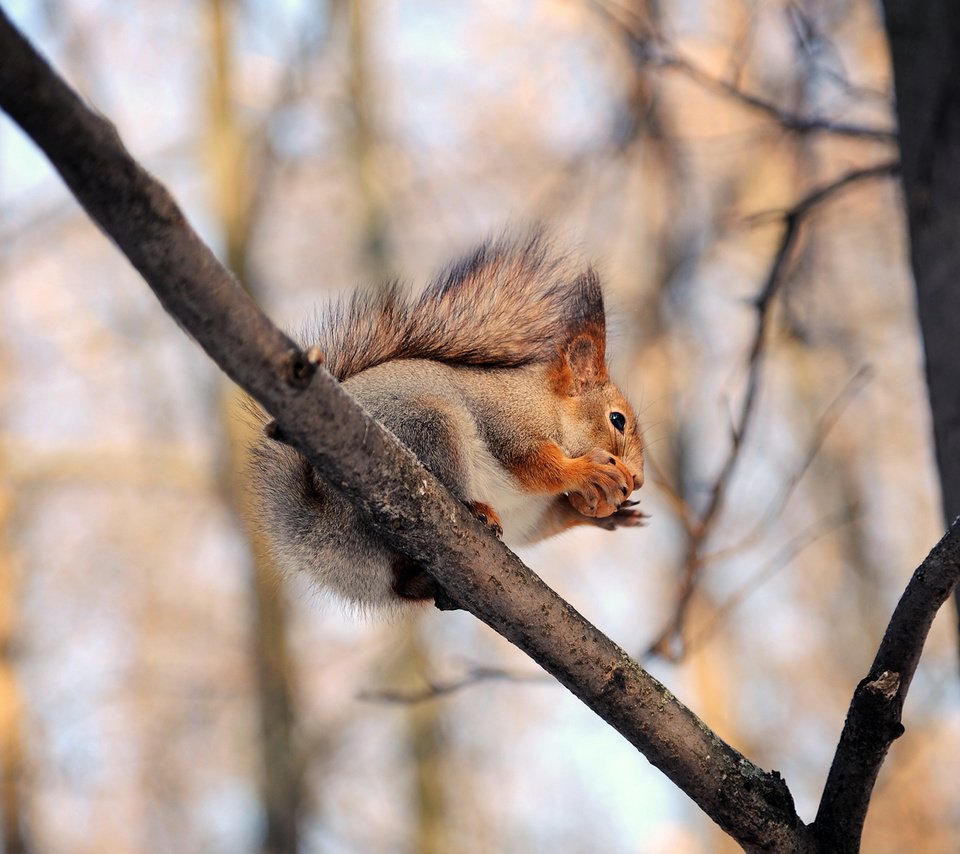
[884,686]
[300,366]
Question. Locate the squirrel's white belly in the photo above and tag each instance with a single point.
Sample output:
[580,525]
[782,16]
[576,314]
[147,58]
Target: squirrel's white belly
[520,512]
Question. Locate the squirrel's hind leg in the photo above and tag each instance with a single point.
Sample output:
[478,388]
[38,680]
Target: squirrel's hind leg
[440,433]
[412,582]
[312,528]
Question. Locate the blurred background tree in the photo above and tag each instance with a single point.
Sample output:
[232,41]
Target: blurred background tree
[729,166]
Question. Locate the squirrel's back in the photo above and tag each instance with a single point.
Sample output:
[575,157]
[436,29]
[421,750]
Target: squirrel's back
[503,306]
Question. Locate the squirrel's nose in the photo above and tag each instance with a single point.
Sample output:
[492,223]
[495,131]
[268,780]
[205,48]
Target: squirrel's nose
[638,480]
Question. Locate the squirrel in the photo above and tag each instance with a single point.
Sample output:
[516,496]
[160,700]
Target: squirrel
[495,377]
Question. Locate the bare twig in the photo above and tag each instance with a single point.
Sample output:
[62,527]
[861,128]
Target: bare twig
[476,675]
[793,219]
[814,43]
[826,422]
[669,641]
[790,121]
[884,169]
[784,555]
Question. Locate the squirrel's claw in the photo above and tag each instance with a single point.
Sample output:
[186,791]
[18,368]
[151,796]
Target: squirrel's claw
[486,514]
[629,518]
[624,517]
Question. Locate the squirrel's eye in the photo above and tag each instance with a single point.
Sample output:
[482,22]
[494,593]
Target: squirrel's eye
[618,420]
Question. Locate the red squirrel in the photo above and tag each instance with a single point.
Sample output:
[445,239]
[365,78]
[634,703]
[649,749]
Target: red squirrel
[496,378]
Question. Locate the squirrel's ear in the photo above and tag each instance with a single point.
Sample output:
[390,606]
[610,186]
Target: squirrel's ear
[581,365]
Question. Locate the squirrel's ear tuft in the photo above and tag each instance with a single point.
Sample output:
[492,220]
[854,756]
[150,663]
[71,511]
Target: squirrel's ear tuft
[585,307]
[581,365]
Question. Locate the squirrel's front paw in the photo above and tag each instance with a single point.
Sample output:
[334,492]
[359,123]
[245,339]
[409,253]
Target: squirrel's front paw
[604,484]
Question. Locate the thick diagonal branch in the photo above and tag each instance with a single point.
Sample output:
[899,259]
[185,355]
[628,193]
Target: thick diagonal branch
[409,508]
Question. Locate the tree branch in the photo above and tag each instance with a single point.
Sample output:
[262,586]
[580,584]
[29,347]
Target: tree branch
[873,720]
[401,499]
[475,675]
[823,427]
[790,121]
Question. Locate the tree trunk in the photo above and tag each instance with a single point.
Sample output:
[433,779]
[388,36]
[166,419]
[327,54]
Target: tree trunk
[924,40]
[12,816]
[281,774]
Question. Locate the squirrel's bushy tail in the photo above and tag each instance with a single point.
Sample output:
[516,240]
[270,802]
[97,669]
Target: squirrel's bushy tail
[509,303]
